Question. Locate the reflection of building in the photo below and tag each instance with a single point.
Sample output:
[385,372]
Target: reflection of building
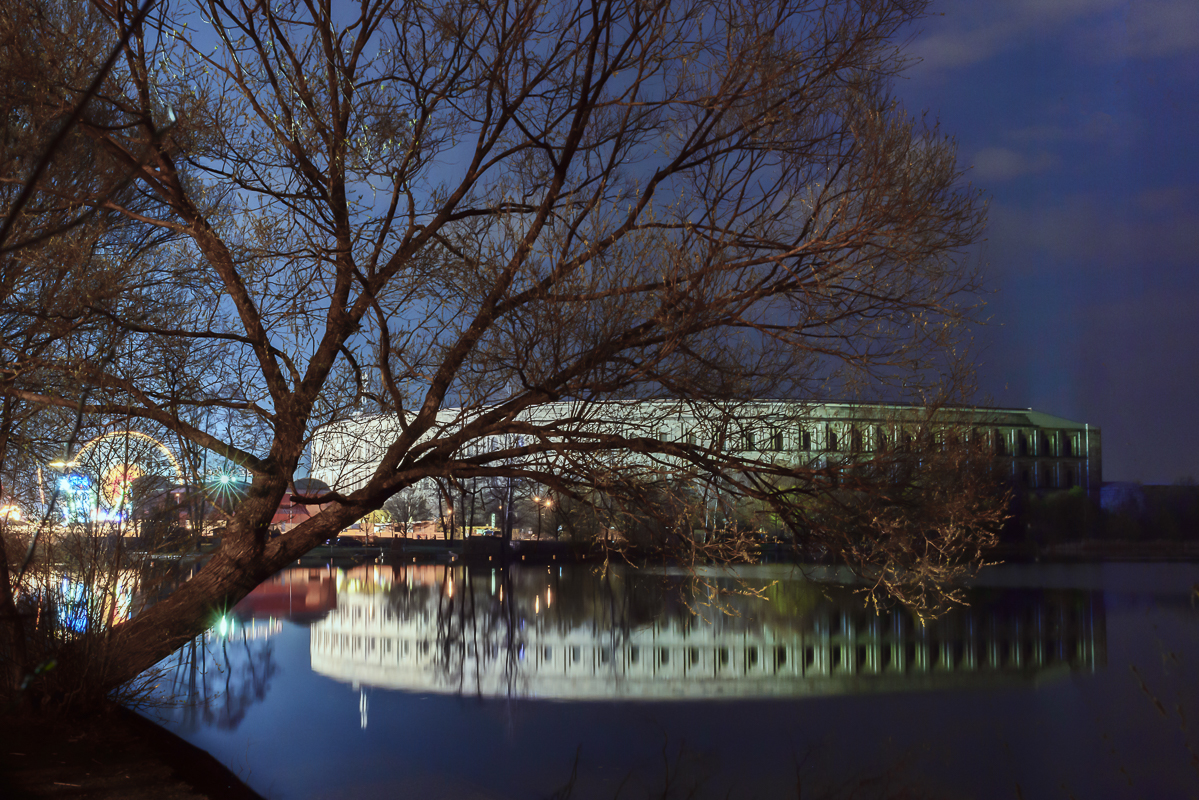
[293,594]
[833,650]
[1034,449]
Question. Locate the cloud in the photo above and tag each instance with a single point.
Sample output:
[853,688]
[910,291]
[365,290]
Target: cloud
[1097,126]
[1153,232]
[1153,29]
[1165,200]
[994,164]
[965,33]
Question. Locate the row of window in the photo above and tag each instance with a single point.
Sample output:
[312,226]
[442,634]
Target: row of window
[834,437]
[899,656]
[853,439]
[1048,476]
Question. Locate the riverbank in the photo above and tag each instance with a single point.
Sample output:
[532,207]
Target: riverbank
[546,553]
[118,755]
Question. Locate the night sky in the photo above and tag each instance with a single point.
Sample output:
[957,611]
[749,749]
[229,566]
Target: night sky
[1078,119]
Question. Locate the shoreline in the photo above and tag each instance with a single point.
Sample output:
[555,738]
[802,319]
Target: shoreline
[118,754]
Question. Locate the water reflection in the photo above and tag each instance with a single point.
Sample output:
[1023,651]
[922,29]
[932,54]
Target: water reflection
[571,634]
[216,678]
[300,595]
[795,681]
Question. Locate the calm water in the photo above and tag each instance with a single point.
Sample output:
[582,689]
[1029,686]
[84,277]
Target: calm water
[455,682]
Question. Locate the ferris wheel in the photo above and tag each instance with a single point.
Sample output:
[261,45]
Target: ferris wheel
[102,476]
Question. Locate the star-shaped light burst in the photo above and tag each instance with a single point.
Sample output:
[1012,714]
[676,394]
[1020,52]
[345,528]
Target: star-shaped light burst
[224,489]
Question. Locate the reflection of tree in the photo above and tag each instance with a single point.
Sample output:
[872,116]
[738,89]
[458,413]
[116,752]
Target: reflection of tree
[216,678]
[479,628]
[573,633]
[483,617]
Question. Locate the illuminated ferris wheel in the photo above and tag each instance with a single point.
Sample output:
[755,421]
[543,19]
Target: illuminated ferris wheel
[103,477]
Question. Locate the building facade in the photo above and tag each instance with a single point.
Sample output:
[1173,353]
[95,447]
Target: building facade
[1033,449]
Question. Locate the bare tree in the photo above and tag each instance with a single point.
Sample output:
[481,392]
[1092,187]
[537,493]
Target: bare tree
[396,209]
[406,507]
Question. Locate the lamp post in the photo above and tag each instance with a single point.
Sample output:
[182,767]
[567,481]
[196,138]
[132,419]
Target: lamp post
[546,502]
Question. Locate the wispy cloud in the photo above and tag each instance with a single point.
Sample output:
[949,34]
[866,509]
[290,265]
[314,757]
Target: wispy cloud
[1155,231]
[994,164]
[965,33]
[1092,127]
[1151,29]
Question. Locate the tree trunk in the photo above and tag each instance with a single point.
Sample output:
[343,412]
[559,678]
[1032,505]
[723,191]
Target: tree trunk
[244,560]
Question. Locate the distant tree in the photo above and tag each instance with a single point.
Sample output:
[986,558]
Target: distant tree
[400,208]
[408,506]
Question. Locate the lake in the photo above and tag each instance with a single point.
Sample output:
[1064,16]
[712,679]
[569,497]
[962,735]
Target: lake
[439,681]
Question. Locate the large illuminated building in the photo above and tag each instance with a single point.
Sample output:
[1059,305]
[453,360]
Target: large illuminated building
[1033,449]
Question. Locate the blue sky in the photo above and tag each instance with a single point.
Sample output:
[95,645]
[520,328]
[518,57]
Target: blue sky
[1078,119]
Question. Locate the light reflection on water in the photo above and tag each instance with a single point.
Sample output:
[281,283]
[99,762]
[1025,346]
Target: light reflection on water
[458,681]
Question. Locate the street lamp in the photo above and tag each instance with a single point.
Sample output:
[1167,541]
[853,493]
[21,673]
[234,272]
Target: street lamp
[547,503]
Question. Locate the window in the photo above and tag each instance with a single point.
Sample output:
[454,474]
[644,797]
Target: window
[775,442]
[830,439]
[805,440]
